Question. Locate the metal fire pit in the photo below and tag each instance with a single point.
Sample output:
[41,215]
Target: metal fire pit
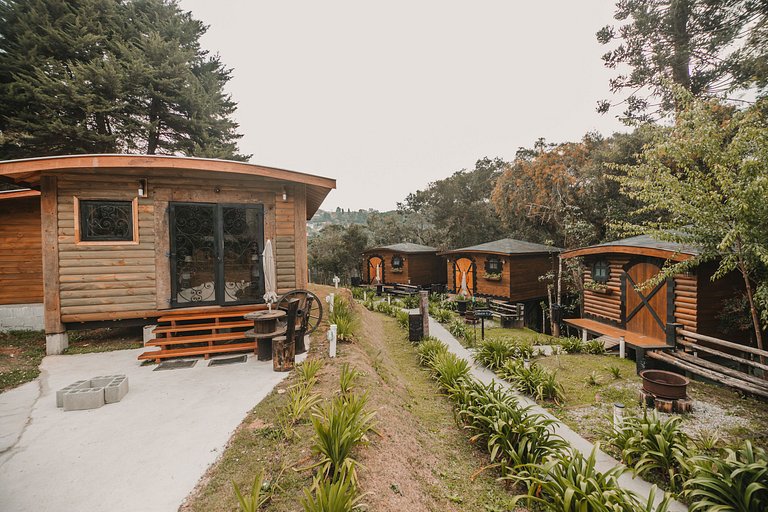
[664,384]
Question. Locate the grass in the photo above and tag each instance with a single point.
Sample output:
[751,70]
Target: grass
[525,335]
[21,353]
[436,465]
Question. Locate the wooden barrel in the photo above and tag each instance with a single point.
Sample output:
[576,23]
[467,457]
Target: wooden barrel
[283,354]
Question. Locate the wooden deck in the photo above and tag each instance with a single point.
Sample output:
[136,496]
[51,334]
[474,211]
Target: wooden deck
[632,339]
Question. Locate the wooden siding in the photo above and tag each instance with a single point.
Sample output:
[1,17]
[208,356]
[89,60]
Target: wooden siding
[21,264]
[418,269]
[133,281]
[607,307]
[519,276]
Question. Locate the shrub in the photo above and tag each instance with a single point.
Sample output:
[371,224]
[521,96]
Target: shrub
[331,496]
[347,379]
[569,482]
[358,293]
[550,389]
[344,318]
[572,345]
[654,445]
[593,379]
[402,318]
[307,370]
[594,346]
[442,315]
[301,400]
[458,328]
[428,349]
[341,425]
[535,381]
[737,482]
[410,301]
[448,369]
[615,372]
[494,352]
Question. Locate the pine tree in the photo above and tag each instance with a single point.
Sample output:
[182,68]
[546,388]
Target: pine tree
[105,76]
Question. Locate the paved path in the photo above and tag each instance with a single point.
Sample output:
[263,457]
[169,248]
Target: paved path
[604,461]
[145,453]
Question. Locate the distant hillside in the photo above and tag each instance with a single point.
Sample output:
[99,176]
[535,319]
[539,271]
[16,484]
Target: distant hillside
[340,216]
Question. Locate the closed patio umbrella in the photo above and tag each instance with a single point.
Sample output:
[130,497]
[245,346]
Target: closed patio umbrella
[270,274]
[378,273]
[464,290]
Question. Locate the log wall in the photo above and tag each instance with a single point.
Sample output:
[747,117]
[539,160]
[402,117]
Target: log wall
[117,281]
[519,276]
[418,269]
[21,265]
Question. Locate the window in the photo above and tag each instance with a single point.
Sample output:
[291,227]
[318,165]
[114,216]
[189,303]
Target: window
[493,266]
[100,221]
[397,261]
[601,271]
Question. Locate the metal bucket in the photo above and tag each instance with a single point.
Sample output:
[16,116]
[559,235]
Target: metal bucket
[664,384]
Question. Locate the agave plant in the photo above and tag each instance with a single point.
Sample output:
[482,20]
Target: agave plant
[347,378]
[594,346]
[331,496]
[570,482]
[494,352]
[572,345]
[307,371]
[341,425]
[737,482]
[549,388]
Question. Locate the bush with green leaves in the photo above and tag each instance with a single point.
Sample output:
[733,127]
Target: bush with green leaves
[347,378]
[571,344]
[428,349]
[734,482]
[594,346]
[653,445]
[341,425]
[344,318]
[256,499]
[410,301]
[307,371]
[534,380]
[458,328]
[494,352]
[358,293]
[443,316]
[570,482]
[448,369]
[403,318]
[338,495]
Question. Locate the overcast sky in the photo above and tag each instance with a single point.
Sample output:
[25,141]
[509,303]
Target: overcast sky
[388,96]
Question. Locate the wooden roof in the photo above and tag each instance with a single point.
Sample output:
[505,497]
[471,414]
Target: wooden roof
[28,171]
[643,245]
[508,247]
[18,194]
[404,247]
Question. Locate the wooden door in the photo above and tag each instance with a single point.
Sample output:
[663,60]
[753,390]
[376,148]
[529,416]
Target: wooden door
[464,267]
[375,268]
[645,310]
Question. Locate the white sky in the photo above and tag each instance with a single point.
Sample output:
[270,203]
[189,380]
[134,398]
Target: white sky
[388,96]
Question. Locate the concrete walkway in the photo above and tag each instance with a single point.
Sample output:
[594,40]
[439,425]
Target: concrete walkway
[603,462]
[145,453]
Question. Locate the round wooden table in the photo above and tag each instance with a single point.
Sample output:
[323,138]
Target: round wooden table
[266,325]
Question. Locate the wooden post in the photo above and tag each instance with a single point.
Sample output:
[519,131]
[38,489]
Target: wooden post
[283,354]
[56,340]
[672,334]
[332,341]
[424,310]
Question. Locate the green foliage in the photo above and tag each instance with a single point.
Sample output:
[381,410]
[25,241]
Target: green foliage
[403,319]
[256,499]
[594,346]
[347,378]
[654,445]
[344,318]
[410,301]
[494,352]
[593,379]
[448,369]
[301,400]
[307,370]
[332,496]
[572,345]
[341,425]
[458,328]
[570,482]
[737,482]
[336,250]
[708,48]
[358,293]
[443,316]
[534,380]
[430,348]
[98,76]
[615,372]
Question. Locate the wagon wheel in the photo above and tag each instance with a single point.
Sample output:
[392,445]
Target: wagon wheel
[315,313]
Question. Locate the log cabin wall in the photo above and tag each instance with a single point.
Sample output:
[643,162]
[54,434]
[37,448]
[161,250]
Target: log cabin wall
[712,300]
[426,269]
[121,281]
[487,287]
[607,306]
[21,264]
[524,272]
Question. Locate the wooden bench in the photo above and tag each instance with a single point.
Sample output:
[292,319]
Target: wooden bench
[508,314]
[402,290]
[197,351]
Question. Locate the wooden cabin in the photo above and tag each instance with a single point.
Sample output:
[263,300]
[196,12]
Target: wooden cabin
[507,270]
[131,237]
[403,263]
[615,306]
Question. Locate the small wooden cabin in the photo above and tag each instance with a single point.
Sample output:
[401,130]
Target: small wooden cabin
[505,269]
[403,263]
[614,305]
[130,237]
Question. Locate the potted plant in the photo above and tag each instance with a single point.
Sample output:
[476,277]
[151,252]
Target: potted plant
[461,305]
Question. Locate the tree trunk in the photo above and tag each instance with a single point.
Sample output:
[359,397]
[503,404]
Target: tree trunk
[679,15]
[153,137]
[555,326]
[752,309]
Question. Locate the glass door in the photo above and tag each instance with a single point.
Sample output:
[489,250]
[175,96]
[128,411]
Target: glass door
[216,254]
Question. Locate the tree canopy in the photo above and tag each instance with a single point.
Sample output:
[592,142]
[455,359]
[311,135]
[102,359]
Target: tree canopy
[106,76]
[708,47]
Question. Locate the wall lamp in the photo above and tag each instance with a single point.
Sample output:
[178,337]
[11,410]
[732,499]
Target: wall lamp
[285,194]
[143,190]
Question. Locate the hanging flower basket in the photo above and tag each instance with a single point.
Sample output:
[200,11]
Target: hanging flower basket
[597,288]
[397,270]
[492,277]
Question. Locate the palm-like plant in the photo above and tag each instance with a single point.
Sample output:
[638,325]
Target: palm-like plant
[257,497]
[494,352]
[428,349]
[550,389]
[331,496]
[448,369]
[737,482]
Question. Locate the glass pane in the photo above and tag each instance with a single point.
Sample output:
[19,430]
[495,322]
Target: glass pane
[243,272]
[195,249]
[106,221]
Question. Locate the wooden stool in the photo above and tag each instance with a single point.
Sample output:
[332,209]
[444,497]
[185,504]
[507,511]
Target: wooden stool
[265,327]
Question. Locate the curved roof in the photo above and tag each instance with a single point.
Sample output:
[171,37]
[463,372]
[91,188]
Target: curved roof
[508,246]
[643,245]
[28,170]
[404,247]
